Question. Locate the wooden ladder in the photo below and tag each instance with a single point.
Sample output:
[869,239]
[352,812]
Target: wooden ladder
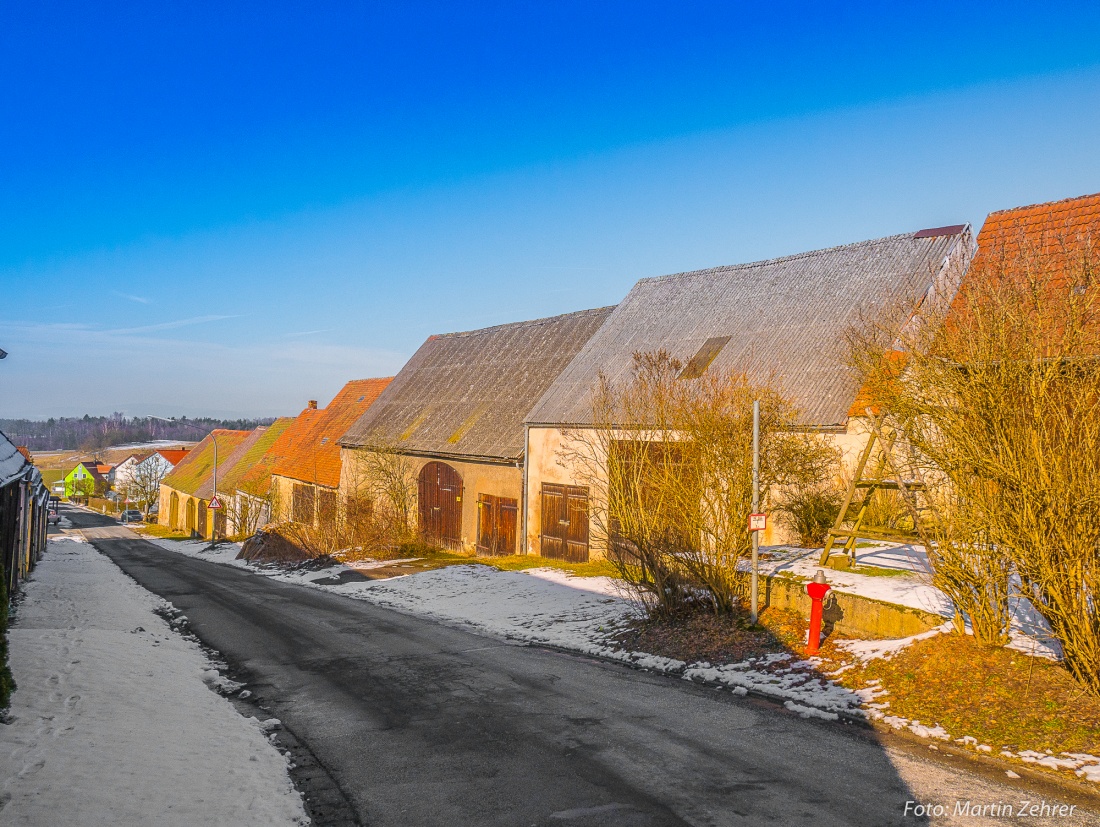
[853,512]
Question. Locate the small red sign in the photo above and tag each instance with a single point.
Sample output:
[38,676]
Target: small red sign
[758,522]
[215,502]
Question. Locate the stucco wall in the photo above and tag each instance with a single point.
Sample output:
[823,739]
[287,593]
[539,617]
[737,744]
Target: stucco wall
[164,513]
[554,457]
[477,478]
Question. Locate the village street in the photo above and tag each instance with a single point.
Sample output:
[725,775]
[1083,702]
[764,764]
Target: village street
[419,723]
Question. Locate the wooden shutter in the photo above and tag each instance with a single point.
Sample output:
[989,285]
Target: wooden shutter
[551,535]
[576,532]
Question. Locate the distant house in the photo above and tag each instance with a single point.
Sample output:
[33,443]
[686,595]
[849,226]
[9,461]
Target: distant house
[185,493]
[137,478]
[781,319]
[456,409]
[306,475]
[87,479]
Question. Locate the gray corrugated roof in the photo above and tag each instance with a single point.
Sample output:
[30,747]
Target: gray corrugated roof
[465,394]
[785,318]
[12,463]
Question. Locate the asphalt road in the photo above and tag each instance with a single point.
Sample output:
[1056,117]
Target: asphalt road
[422,724]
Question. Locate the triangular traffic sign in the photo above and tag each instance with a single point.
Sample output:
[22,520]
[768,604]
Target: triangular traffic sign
[215,502]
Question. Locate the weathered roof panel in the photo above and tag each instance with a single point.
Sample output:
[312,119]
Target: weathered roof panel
[784,318]
[196,469]
[465,394]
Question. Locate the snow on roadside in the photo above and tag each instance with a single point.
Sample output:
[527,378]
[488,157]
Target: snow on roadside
[549,606]
[112,722]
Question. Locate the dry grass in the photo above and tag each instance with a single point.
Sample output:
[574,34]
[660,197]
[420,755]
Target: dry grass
[157,530]
[718,639]
[1002,697]
[518,562]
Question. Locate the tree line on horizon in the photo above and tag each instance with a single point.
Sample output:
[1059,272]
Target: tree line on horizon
[89,433]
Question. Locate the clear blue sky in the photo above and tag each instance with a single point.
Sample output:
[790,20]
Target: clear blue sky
[229,209]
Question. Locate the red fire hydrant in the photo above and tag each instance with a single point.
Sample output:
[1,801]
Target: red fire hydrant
[816,589]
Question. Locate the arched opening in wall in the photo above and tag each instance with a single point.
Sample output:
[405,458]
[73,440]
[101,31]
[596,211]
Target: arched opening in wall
[439,501]
[201,527]
[174,511]
[190,515]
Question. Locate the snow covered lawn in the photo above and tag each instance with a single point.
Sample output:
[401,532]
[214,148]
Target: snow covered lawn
[112,722]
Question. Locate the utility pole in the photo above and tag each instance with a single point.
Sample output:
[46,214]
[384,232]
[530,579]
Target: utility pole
[755,509]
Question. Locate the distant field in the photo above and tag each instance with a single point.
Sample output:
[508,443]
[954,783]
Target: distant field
[112,456]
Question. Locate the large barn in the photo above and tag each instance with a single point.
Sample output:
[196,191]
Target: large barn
[456,410]
[781,319]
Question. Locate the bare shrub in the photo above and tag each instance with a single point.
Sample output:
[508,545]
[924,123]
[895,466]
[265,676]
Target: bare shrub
[810,512]
[669,465]
[998,399]
[380,508]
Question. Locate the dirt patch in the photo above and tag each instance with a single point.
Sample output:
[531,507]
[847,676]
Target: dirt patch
[717,639]
[272,547]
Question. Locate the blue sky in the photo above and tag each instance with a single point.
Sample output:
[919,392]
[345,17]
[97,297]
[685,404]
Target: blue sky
[229,209]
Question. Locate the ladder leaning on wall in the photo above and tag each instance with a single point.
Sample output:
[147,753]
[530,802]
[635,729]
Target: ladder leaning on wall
[883,474]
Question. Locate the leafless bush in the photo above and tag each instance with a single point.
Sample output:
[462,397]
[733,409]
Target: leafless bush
[810,512]
[669,462]
[999,395]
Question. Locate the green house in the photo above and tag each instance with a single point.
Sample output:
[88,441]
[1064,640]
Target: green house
[87,479]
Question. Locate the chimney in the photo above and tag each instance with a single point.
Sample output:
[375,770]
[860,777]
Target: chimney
[312,404]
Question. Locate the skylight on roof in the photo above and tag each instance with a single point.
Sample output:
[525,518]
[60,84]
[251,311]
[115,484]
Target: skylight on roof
[701,360]
[361,398]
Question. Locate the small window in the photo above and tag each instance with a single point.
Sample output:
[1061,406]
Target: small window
[324,440]
[361,398]
[701,360]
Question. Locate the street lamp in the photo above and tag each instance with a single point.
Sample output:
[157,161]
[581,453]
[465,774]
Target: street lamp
[3,354]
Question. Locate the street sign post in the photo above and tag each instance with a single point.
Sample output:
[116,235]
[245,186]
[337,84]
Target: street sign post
[215,503]
[758,522]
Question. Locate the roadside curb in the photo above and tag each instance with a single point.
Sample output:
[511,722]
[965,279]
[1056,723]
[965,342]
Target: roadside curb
[779,700]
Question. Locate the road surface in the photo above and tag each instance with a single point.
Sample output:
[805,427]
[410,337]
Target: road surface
[421,724]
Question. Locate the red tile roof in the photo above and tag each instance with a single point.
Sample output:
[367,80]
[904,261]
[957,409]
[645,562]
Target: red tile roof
[1054,227]
[173,455]
[309,448]
[1042,247]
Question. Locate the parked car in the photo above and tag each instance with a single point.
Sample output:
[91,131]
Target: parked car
[53,515]
[131,515]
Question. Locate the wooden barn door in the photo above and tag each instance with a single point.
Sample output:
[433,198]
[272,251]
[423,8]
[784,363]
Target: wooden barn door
[565,522]
[496,525]
[439,498]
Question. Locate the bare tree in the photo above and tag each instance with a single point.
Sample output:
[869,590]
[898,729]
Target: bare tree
[997,396]
[143,485]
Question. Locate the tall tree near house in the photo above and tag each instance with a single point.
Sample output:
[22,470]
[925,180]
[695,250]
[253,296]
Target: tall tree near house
[144,484]
[669,463]
[999,399]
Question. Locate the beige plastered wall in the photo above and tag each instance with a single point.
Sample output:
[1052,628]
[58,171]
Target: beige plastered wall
[498,480]
[559,457]
[164,513]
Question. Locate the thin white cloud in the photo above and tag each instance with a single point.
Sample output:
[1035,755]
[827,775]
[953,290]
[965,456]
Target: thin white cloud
[170,325]
[307,332]
[138,299]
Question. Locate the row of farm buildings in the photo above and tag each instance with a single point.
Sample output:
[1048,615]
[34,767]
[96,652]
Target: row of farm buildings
[487,417]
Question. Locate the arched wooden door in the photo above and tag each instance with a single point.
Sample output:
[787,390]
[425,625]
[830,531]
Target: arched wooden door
[174,511]
[439,496]
[190,515]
